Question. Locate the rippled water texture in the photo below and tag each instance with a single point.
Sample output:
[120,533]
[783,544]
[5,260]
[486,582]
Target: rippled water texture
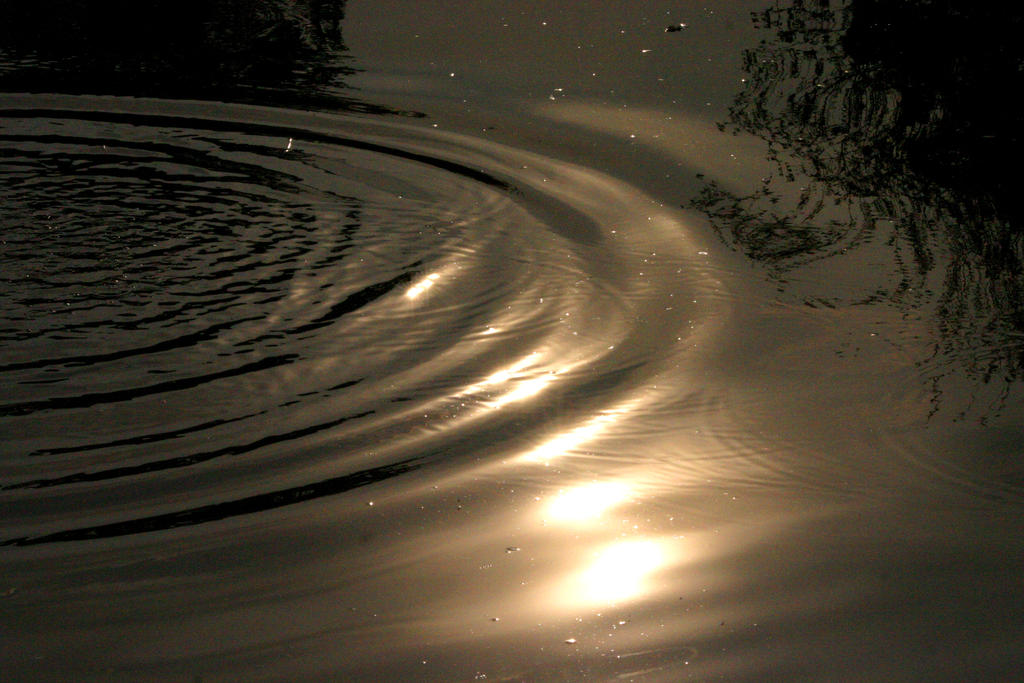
[207,319]
[241,305]
[293,395]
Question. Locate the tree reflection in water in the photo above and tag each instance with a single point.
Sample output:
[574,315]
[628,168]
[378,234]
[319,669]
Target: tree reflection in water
[887,122]
[243,50]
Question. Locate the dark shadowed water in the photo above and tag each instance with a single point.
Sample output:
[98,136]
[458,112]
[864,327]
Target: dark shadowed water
[553,341]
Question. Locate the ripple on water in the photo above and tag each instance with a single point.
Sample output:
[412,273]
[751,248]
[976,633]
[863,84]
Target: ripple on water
[208,316]
[212,313]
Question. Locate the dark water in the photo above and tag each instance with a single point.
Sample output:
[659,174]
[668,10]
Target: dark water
[382,341]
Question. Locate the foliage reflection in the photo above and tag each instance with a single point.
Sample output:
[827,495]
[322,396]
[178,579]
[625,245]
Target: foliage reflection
[886,124]
[242,50]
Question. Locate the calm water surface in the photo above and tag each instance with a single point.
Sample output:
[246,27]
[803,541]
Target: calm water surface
[392,342]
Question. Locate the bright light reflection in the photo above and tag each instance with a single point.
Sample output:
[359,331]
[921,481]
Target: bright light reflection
[422,286]
[502,376]
[564,443]
[522,389]
[585,502]
[621,572]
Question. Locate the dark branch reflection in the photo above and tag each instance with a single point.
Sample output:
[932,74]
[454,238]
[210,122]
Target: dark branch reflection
[888,121]
[270,51]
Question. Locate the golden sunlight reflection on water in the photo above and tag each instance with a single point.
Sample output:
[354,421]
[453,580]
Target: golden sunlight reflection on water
[612,565]
[585,502]
[513,383]
[620,571]
[571,439]
[422,285]
[616,571]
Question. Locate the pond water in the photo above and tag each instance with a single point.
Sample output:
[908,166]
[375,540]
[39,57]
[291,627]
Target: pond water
[388,341]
